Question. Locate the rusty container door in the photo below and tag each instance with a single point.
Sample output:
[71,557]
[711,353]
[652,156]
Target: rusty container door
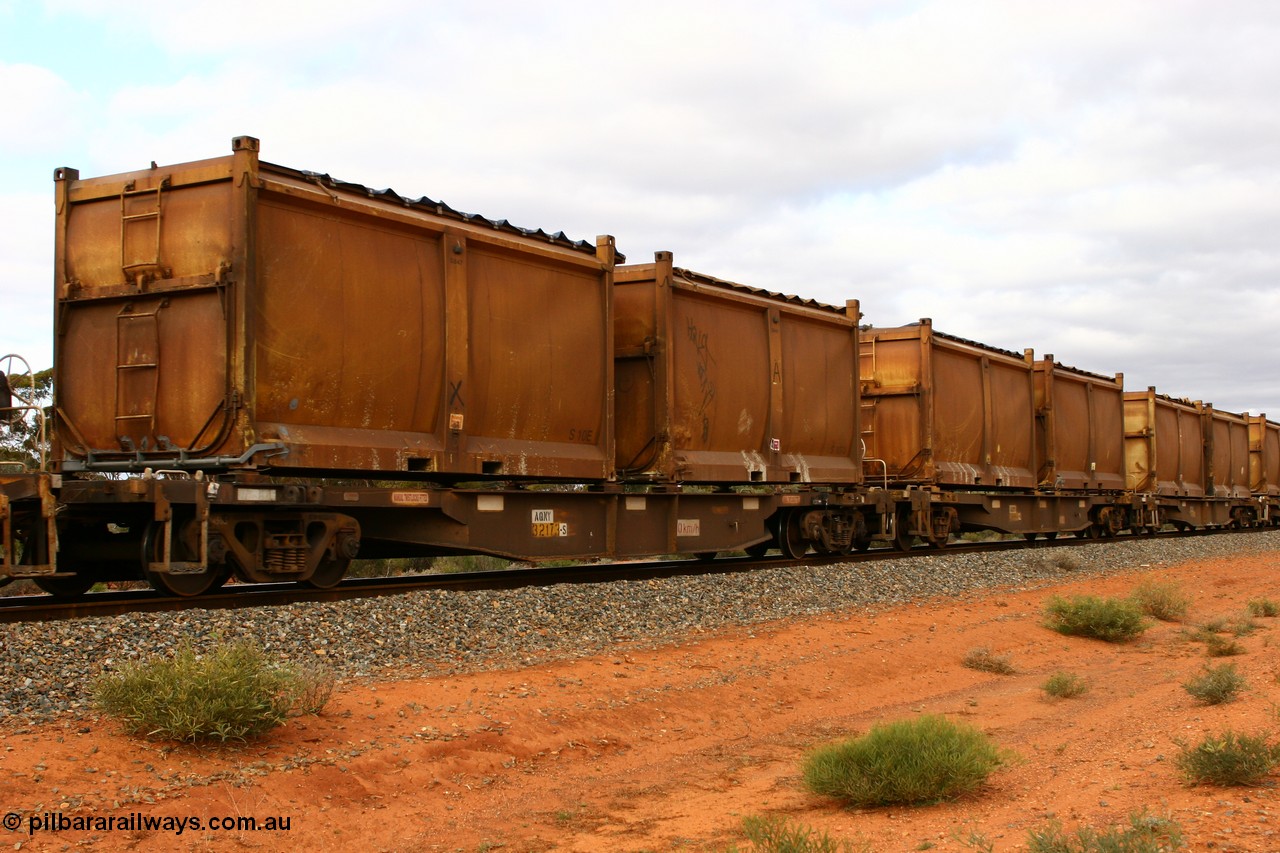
[717,382]
[145,348]
[1165,441]
[276,318]
[1264,456]
[1079,428]
[939,409]
[1229,454]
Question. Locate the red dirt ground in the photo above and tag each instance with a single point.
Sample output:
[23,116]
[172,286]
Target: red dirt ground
[669,748]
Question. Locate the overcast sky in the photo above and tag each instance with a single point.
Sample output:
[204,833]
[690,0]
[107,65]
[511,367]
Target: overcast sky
[1095,180]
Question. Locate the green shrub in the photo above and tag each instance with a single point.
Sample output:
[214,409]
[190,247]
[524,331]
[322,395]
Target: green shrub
[232,692]
[1146,833]
[1115,620]
[1065,685]
[1263,607]
[923,760]
[778,835]
[1228,759]
[1163,600]
[1217,684]
[982,660]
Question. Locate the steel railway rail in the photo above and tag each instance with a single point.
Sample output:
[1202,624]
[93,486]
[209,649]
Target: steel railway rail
[34,608]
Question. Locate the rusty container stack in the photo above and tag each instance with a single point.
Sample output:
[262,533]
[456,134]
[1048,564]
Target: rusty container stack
[1079,427]
[231,313]
[942,410]
[1165,443]
[718,382]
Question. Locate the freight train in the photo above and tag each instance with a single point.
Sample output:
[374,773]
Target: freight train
[267,373]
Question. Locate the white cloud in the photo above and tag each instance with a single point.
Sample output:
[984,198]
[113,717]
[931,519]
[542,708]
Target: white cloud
[1094,180]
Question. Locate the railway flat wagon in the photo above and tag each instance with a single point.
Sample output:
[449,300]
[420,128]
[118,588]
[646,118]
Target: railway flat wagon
[230,313]
[718,382]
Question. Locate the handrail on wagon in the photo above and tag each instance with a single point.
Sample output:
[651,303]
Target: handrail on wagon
[11,413]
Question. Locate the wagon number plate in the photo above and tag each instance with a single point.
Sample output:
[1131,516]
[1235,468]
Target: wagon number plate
[545,525]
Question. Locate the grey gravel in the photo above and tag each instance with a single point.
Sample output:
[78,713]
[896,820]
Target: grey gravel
[46,667]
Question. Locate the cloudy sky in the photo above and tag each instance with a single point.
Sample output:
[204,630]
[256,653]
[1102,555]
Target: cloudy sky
[1096,180]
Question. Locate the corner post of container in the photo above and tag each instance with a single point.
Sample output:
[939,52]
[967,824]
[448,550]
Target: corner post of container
[1042,382]
[928,406]
[664,332]
[853,311]
[457,345]
[1206,436]
[607,255]
[64,179]
[241,358]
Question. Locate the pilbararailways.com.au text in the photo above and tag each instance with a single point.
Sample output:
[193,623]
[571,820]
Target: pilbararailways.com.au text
[45,822]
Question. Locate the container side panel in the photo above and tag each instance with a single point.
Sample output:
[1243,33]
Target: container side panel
[541,352]
[820,389]
[1012,444]
[819,383]
[1070,455]
[720,401]
[143,366]
[635,376]
[194,235]
[348,324]
[1108,437]
[894,402]
[1191,433]
[958,417]
[1139,444]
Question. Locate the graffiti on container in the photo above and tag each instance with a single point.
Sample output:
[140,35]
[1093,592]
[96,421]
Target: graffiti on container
[706,382]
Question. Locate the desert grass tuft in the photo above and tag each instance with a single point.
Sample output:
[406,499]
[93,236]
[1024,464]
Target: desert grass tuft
[1163,600]
[1264,607]
[1115,620]
[1228,759]
[1065,685]
[983,660]
[1146,833]
[232,692]
[1217,684]
[923,760]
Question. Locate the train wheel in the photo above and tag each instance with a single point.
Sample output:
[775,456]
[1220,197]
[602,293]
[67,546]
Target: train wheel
[1030,537]
[1051,535]
[902,538]
[791,538]
[180,585]
[759,549]
[330,571]
[69,587]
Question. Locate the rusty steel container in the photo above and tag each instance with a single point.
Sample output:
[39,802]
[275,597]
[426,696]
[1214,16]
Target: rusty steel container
[717,382]
[942,410]
[234,313]
[1164,445]
[1228,446]
[1079,427]
[1264,456]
